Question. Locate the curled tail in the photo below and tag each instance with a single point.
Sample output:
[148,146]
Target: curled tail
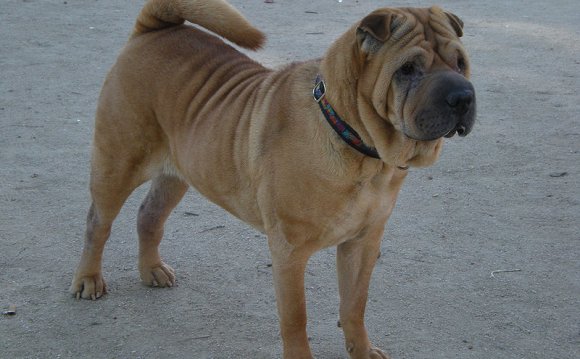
[215,15]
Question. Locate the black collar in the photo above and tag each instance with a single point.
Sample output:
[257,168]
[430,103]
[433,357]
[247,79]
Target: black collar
[347,133]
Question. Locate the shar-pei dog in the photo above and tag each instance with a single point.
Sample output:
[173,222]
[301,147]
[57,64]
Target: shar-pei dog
[312,154]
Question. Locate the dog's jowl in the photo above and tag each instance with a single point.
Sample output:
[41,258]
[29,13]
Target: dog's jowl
[313,155]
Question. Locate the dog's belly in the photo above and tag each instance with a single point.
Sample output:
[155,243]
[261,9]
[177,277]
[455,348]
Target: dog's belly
[215,162]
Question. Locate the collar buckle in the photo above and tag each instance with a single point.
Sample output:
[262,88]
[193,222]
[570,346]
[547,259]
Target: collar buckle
[319,90]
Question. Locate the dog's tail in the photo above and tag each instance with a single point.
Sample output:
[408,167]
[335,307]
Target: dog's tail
[215,15]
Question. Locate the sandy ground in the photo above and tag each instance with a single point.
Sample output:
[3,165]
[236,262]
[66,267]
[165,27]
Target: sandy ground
[505,198]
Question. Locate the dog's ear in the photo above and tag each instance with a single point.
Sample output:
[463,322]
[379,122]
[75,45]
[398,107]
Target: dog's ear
[374,30]
[456,23]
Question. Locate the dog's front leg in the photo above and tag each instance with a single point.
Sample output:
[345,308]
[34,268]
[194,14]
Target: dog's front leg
[355,262]
[289,264]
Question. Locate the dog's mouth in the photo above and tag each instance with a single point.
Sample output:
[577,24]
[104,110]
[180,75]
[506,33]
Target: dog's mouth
[450,134]
[460,130]
[434,136]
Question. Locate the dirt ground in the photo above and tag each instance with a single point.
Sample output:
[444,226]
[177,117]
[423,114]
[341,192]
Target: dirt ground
[506,198]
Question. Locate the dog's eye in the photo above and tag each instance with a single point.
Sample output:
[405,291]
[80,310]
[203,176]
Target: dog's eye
[461,65]
[408,69]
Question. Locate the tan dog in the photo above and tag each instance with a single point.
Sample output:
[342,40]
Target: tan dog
[183,108]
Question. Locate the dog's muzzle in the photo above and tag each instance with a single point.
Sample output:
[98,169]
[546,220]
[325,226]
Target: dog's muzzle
[449,109]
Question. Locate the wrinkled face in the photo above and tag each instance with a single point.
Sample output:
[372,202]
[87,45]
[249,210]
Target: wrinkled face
[423,88]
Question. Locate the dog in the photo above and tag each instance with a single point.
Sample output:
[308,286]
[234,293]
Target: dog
[313,154]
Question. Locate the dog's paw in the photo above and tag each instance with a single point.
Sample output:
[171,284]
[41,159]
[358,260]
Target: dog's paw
[371,353]
[376,353]
[158,276]
[88,286]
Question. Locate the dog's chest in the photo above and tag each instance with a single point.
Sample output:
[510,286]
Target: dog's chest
[368,210]
[362,210]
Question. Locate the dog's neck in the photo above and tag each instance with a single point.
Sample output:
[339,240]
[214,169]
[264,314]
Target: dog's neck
[341,68]
[342,128]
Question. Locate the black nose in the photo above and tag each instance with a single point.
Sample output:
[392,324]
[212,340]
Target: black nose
[460,100]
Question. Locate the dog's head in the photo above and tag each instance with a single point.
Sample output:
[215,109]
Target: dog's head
[426,68]
[412,76]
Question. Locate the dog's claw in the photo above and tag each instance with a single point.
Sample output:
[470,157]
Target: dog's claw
[158,276]
[88,287]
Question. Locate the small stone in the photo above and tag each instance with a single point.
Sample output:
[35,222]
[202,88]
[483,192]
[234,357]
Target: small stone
[11,310]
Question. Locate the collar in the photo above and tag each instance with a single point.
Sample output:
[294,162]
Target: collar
[347,133]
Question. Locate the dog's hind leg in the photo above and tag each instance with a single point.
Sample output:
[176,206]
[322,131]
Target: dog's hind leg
[113,178]
[128,149]
[165,193]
